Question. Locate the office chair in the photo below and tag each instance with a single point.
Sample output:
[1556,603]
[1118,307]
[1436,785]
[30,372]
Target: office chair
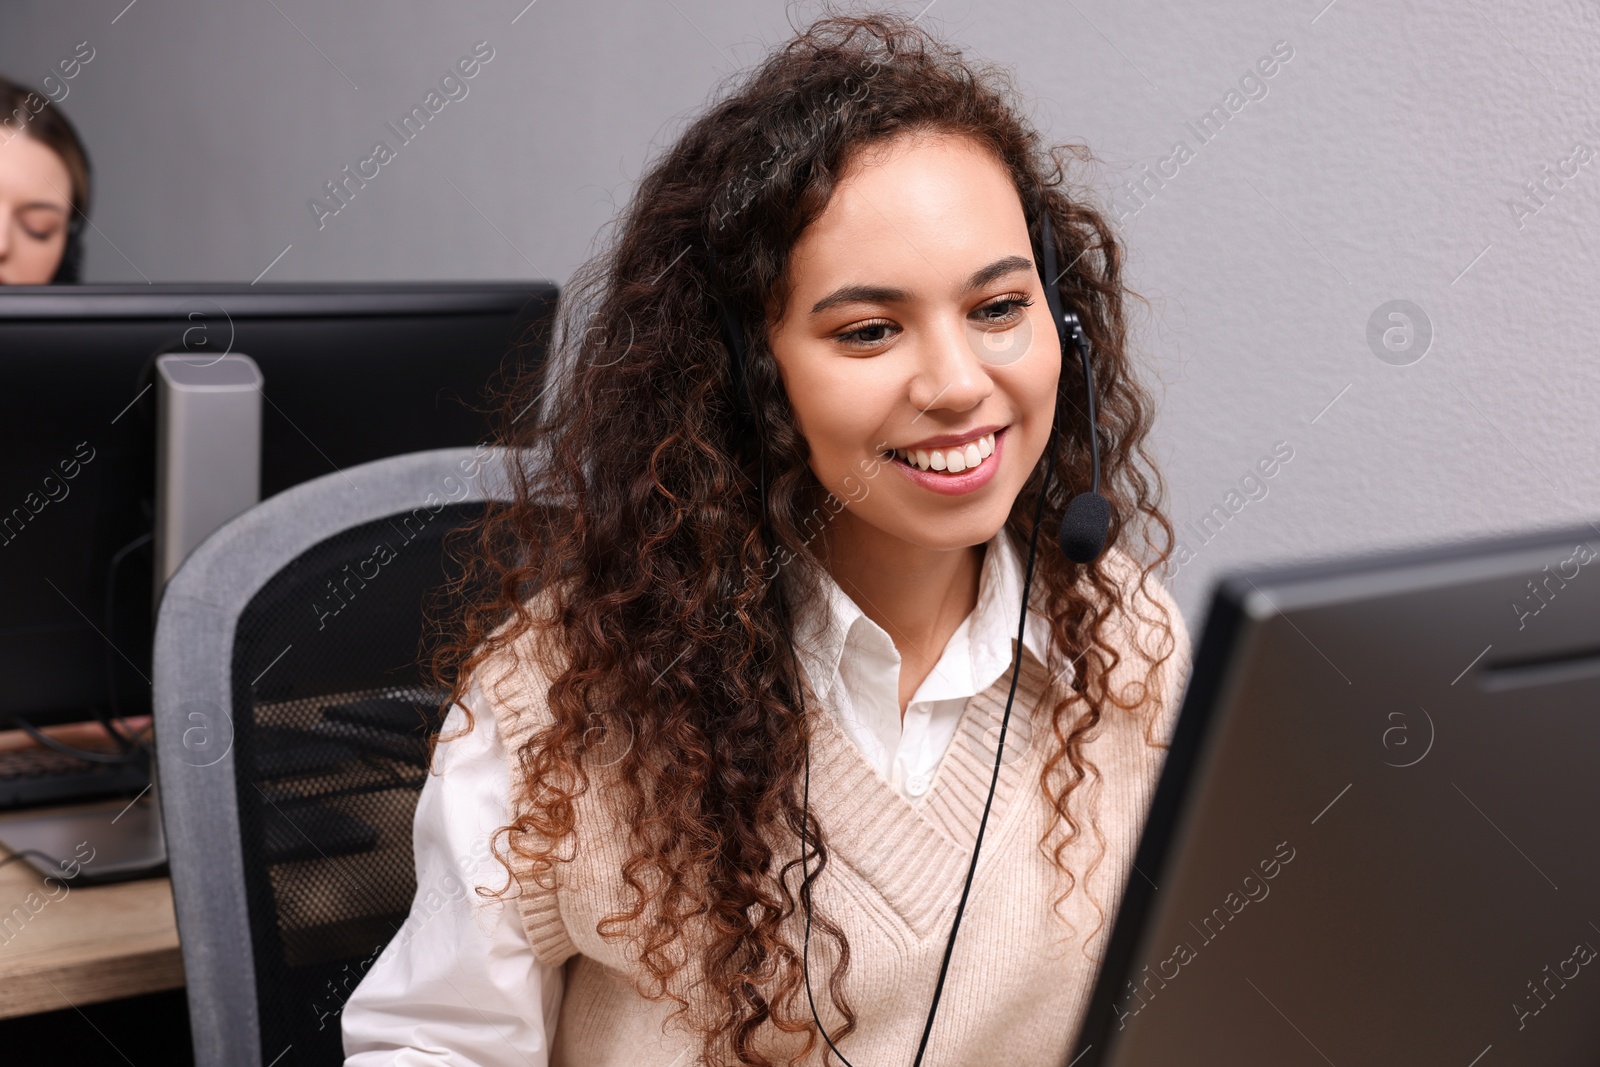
[291,723]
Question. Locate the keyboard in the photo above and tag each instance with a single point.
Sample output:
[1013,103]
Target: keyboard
[31,777]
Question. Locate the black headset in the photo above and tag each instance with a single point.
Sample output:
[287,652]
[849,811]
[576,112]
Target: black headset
[1082,537]
[70,269]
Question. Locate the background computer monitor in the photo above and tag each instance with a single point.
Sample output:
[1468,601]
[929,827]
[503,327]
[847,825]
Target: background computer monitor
[353,372]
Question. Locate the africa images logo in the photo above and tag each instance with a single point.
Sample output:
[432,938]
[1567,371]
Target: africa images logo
[452,87]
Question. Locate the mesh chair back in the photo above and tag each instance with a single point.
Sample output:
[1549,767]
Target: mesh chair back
[292,717]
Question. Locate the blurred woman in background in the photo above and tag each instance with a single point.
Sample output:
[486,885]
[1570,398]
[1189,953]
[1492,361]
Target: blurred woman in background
[44,190]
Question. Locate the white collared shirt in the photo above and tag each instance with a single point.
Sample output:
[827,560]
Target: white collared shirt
[456,984]
[854,666]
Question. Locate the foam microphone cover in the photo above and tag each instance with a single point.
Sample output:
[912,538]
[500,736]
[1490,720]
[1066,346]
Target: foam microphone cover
[1084,527]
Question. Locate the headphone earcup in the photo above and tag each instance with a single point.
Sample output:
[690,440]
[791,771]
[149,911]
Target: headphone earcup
[71,265]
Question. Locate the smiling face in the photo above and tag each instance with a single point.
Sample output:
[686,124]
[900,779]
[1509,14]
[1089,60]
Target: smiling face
[34,211]
[916,325]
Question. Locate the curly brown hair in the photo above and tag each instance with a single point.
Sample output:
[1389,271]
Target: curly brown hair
[635,547]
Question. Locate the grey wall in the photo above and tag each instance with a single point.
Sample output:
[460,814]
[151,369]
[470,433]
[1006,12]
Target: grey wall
[1384,163]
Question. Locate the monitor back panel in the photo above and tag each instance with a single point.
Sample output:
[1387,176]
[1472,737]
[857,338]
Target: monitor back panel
[354,372]
[1375,839]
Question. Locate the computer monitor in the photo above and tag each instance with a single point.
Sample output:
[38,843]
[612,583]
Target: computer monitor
[1373,840]
[353,372]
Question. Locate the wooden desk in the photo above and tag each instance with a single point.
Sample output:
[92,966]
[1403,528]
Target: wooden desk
[91,944]
[94,943]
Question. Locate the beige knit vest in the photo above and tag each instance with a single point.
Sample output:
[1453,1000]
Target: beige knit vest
[1022,971]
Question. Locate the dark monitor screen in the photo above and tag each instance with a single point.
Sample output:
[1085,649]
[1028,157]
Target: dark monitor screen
[353,373]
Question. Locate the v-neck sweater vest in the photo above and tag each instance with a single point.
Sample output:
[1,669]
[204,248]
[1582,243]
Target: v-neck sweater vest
[1022,971]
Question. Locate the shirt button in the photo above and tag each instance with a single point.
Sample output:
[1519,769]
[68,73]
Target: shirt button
[917,785]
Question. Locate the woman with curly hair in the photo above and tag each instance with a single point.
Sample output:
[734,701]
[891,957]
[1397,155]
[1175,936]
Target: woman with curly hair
[753,721]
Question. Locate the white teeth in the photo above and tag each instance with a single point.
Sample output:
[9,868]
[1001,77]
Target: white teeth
[953,460]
